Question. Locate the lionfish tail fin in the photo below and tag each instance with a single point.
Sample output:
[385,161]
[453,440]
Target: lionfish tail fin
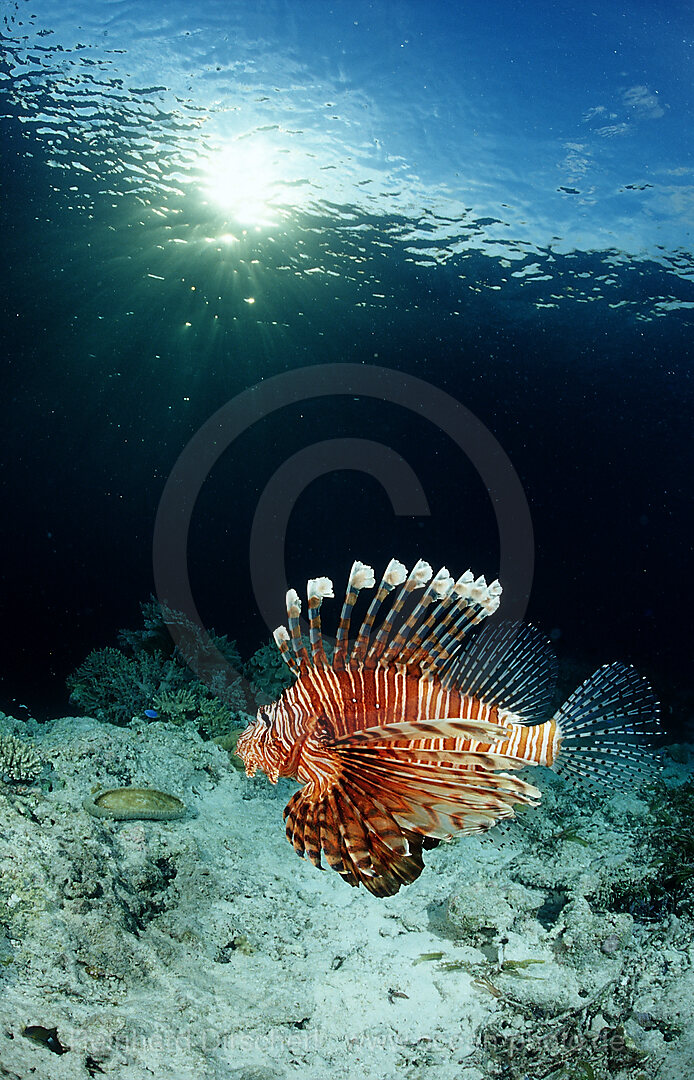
[607,727]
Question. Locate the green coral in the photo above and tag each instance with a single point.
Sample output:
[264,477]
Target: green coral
[114,687]
[177,706]
[267,674]
[170,665]
[19,761]
[213,658]
[214,717]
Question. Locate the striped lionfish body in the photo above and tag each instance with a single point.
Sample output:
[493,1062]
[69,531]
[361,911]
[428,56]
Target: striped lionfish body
[413,732]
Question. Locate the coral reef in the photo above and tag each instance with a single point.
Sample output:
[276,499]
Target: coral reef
[19,760]
[267,674]
[182,679]
[213,659]
[203,948]
[114,687]
[214,718]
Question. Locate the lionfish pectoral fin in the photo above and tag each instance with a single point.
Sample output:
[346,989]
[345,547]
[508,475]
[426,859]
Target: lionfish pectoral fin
[432,797]
[607,728]
[361,841]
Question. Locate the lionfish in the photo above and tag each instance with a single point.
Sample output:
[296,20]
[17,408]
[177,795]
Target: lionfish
[412,733]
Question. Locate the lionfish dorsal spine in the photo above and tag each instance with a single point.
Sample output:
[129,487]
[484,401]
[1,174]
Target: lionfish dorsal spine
[425,638]
[317,590]
[395,574]
[418,577]
[407,642]
[475,601]
[281,639]
[360,577]
[443,634]
[293,616]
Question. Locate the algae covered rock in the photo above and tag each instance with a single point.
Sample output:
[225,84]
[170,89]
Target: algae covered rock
[483,910]
[587,939]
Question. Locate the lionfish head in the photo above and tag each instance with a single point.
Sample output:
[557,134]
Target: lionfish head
[258,749]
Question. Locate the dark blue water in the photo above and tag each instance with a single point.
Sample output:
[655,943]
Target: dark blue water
[496,202]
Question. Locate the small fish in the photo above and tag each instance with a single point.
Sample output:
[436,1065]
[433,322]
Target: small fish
[413,732]
[152,714]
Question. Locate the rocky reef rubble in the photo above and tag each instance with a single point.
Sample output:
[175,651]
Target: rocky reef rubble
[201,947]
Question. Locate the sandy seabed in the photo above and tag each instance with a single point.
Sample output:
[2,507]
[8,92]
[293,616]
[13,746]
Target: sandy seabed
[204,948]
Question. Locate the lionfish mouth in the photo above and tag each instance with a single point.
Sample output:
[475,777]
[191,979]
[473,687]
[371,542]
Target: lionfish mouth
[254,755]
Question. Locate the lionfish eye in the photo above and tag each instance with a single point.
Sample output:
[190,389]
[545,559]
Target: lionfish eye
[263,715]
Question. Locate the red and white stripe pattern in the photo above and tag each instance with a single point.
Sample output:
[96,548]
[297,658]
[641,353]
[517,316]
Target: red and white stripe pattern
[333,704]
[388,752]
[410,733]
